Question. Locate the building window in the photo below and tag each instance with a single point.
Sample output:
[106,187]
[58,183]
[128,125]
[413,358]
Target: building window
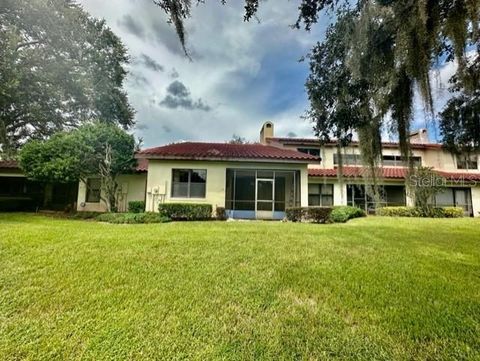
[348,159]
[320,194]
[93,190]
[312,151]
[189,183]
[467,162]
[397,161]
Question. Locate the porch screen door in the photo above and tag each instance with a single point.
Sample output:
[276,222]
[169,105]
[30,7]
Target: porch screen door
[265,192]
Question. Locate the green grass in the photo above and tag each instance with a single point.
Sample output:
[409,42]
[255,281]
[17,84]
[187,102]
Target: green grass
[374,288]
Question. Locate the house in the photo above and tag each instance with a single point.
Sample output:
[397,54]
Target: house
[261,180]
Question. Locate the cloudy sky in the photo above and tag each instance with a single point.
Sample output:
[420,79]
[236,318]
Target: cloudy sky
[241,74]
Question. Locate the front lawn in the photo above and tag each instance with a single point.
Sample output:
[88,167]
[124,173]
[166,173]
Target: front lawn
[374,288]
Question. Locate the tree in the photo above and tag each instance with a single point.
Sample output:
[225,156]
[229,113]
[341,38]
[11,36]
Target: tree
[425,184]
[236,139]
[460,119]
[179,10]
[92,149]
[393,49]
[59,68]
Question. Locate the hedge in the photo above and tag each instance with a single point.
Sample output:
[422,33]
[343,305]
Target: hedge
[136,206]
[221,214]
[309,214]
[434,212]
[341,214]
[186,211]
[131,218]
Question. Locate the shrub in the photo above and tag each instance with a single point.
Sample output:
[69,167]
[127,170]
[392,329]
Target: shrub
[432,212]
[341,214]
[221,214]
[84,215]
[295,214]
[318,214]
[17,205]
[186,211]
[399,212]
[136,206]
[453,212]
[131,218]
[308,214]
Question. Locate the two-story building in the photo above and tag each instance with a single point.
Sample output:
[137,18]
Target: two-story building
[261,180]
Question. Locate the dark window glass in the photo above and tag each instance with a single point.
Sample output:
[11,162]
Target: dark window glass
[320,194]
[312,151]
[467,162]
[93,190]
[189,183]
[348,159]
[245,186]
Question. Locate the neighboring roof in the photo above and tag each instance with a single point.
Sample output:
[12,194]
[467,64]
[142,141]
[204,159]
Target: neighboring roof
[315,141]
[225,151]
[142,165]
[9,164]
[391,173]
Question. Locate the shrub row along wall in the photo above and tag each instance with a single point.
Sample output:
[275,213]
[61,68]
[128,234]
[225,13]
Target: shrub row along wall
[185,211]
[436,212]
[338,214]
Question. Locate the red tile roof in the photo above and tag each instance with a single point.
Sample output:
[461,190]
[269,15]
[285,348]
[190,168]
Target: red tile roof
[315,141]
[10,164]
[224,151]
[142,165]
[391,173]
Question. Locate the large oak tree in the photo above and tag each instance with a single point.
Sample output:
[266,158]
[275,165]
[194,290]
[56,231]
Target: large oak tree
[58,68]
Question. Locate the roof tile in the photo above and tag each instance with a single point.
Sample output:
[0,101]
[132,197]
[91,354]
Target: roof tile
[224,151]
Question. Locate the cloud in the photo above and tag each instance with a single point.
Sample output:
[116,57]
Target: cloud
[174,74]
[178,96]
[128,23]
[137,79]
[151,63]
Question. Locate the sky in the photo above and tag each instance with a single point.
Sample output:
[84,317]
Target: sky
[240,75]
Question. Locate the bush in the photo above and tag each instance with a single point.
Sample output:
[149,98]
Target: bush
[453,212]
[186,211]
[318,214]
[433,212]
[136,206]
[221,214]
[308,214]
[131,218]
[84,215]
[341,214]
[17,205]
[399,212]
[295,214]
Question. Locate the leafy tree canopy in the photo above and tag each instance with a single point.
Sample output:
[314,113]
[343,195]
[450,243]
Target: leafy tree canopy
[58,68]
[93,149]
[391,47]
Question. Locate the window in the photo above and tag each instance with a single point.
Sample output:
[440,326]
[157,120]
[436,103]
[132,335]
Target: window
[312,151]
[93,190]
[320,194]
[189,183]
[397,161]
[467,162]
[348,159]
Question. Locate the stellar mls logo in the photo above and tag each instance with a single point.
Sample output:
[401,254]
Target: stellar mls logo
[438,181]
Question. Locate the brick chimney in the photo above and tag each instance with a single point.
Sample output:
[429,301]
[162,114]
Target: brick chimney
[267,131]
[419,136]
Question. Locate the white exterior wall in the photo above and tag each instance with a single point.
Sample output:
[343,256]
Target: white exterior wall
[132,189]
[159,180]
[476,200]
